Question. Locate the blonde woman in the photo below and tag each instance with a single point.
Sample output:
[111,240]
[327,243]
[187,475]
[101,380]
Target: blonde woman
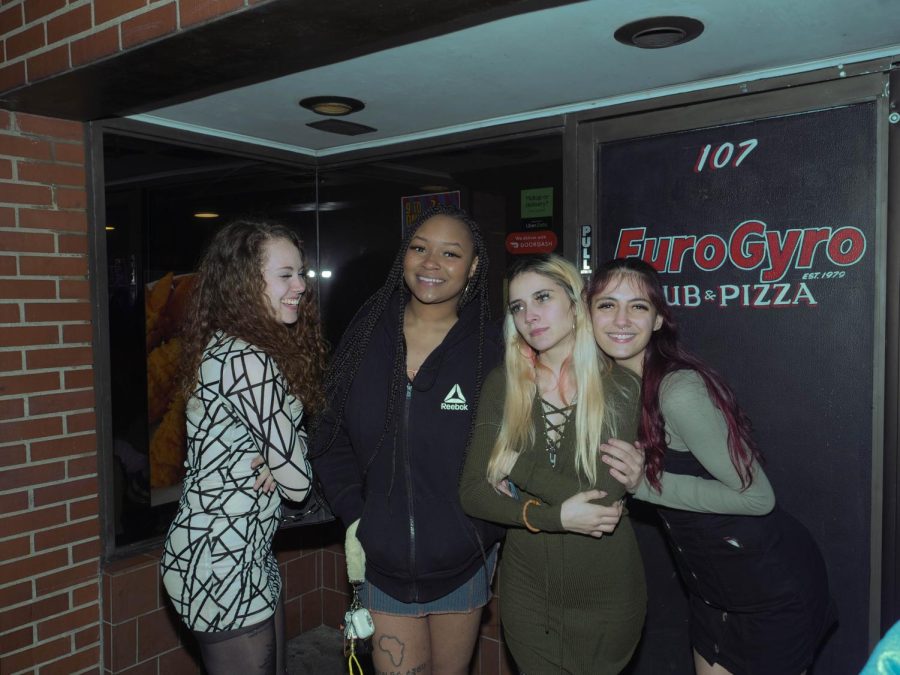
[571,580]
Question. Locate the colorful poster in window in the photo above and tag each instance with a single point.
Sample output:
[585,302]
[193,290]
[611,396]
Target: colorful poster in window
[537,208]
[414,206]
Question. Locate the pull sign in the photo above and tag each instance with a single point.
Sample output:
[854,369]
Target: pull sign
[585,266]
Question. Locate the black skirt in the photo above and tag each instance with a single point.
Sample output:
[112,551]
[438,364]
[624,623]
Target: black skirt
[758,585]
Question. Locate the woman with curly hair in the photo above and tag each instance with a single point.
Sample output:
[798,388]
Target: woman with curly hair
[253,360]
[401,392]
[758,588]
[571,580]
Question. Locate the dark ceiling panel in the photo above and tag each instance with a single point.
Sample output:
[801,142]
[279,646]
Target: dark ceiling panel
[270,40]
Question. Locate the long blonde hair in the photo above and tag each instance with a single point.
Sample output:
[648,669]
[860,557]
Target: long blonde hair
[584,369]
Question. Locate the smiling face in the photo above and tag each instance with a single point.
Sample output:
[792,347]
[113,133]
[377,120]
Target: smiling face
[285,278]
[439,261]
[543,314]
[624,320]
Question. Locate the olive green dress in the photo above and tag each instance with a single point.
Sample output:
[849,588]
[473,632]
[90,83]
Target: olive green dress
[569,603]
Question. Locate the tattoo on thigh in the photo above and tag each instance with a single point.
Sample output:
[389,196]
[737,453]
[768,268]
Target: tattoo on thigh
[393,647]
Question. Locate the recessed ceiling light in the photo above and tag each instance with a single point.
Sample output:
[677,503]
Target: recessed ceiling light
[206,214]
[333,106]
[659,32]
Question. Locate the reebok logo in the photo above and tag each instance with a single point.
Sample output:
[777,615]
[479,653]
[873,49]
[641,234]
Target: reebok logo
[454,400]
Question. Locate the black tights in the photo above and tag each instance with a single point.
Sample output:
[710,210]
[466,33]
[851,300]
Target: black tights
[254,650]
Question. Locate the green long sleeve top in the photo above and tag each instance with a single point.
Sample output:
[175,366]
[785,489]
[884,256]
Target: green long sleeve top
[694,424]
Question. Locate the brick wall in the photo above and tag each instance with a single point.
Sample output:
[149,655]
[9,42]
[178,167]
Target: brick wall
[49,531]
[42,38]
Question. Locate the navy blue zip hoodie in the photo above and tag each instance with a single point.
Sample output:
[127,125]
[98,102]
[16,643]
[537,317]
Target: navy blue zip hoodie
[419,544]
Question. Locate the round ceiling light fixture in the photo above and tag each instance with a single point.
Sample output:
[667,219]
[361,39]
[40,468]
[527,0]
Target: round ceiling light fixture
[332,106]
[659,32]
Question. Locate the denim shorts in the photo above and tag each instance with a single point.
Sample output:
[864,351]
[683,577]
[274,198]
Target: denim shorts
[473,594]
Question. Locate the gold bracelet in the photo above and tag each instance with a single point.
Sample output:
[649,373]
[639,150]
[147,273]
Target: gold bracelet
[529,526]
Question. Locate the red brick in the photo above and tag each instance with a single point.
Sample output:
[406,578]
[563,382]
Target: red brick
[74,290]
[67,577]
[61,447]
[149,25]
[203,10]
[10,19]
[13,595]
[96,45]
[85,594]
[8,216]
[8,266]
[57,358]
[157,633]
[26,242]
[12,455]
[55,311]
[84,507]
[41,608]
[35,9]
[18,639]
[78,379]
[71,198]
[17,193]
[89,550]
[29,40]
[133,593]
[72,243]
[51,403]
[33,565]
[21,289]
[29,476]
[77,333]
[71,532]
[27,429]
[82,466]
[54,127]
[51,174]
[47,63]
[5,115]
[14,336]
[12,76]
[11,408]
[44,219]
[28,383]
[15,548]
[69,152]
[24,147]
[123,646]
[9,314]
[72,489]
[81,421]
[73,663]
[71,23]
[38,654]
[107,10]
[55,266]
[10,360]
[5,169]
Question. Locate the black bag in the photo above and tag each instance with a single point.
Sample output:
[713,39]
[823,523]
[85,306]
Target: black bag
[313,510]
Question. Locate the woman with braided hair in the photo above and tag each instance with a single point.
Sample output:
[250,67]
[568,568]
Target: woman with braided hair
[401,392]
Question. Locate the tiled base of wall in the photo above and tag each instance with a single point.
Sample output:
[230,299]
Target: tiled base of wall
[143,636]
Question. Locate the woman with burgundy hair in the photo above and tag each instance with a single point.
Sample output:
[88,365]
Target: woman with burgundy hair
[758,588]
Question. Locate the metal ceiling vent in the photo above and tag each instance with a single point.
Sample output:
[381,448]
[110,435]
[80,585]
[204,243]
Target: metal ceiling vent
[342,127]
[659,32]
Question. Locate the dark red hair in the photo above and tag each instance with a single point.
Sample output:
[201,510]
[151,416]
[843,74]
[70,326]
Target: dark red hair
[663,355]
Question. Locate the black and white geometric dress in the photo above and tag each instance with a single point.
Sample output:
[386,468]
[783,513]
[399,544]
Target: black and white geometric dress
[217,564]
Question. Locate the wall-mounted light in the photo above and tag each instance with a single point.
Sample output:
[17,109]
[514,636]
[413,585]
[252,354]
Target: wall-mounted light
[311,274]
[110,228]
[326,274]
[206,214]
[332,106]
